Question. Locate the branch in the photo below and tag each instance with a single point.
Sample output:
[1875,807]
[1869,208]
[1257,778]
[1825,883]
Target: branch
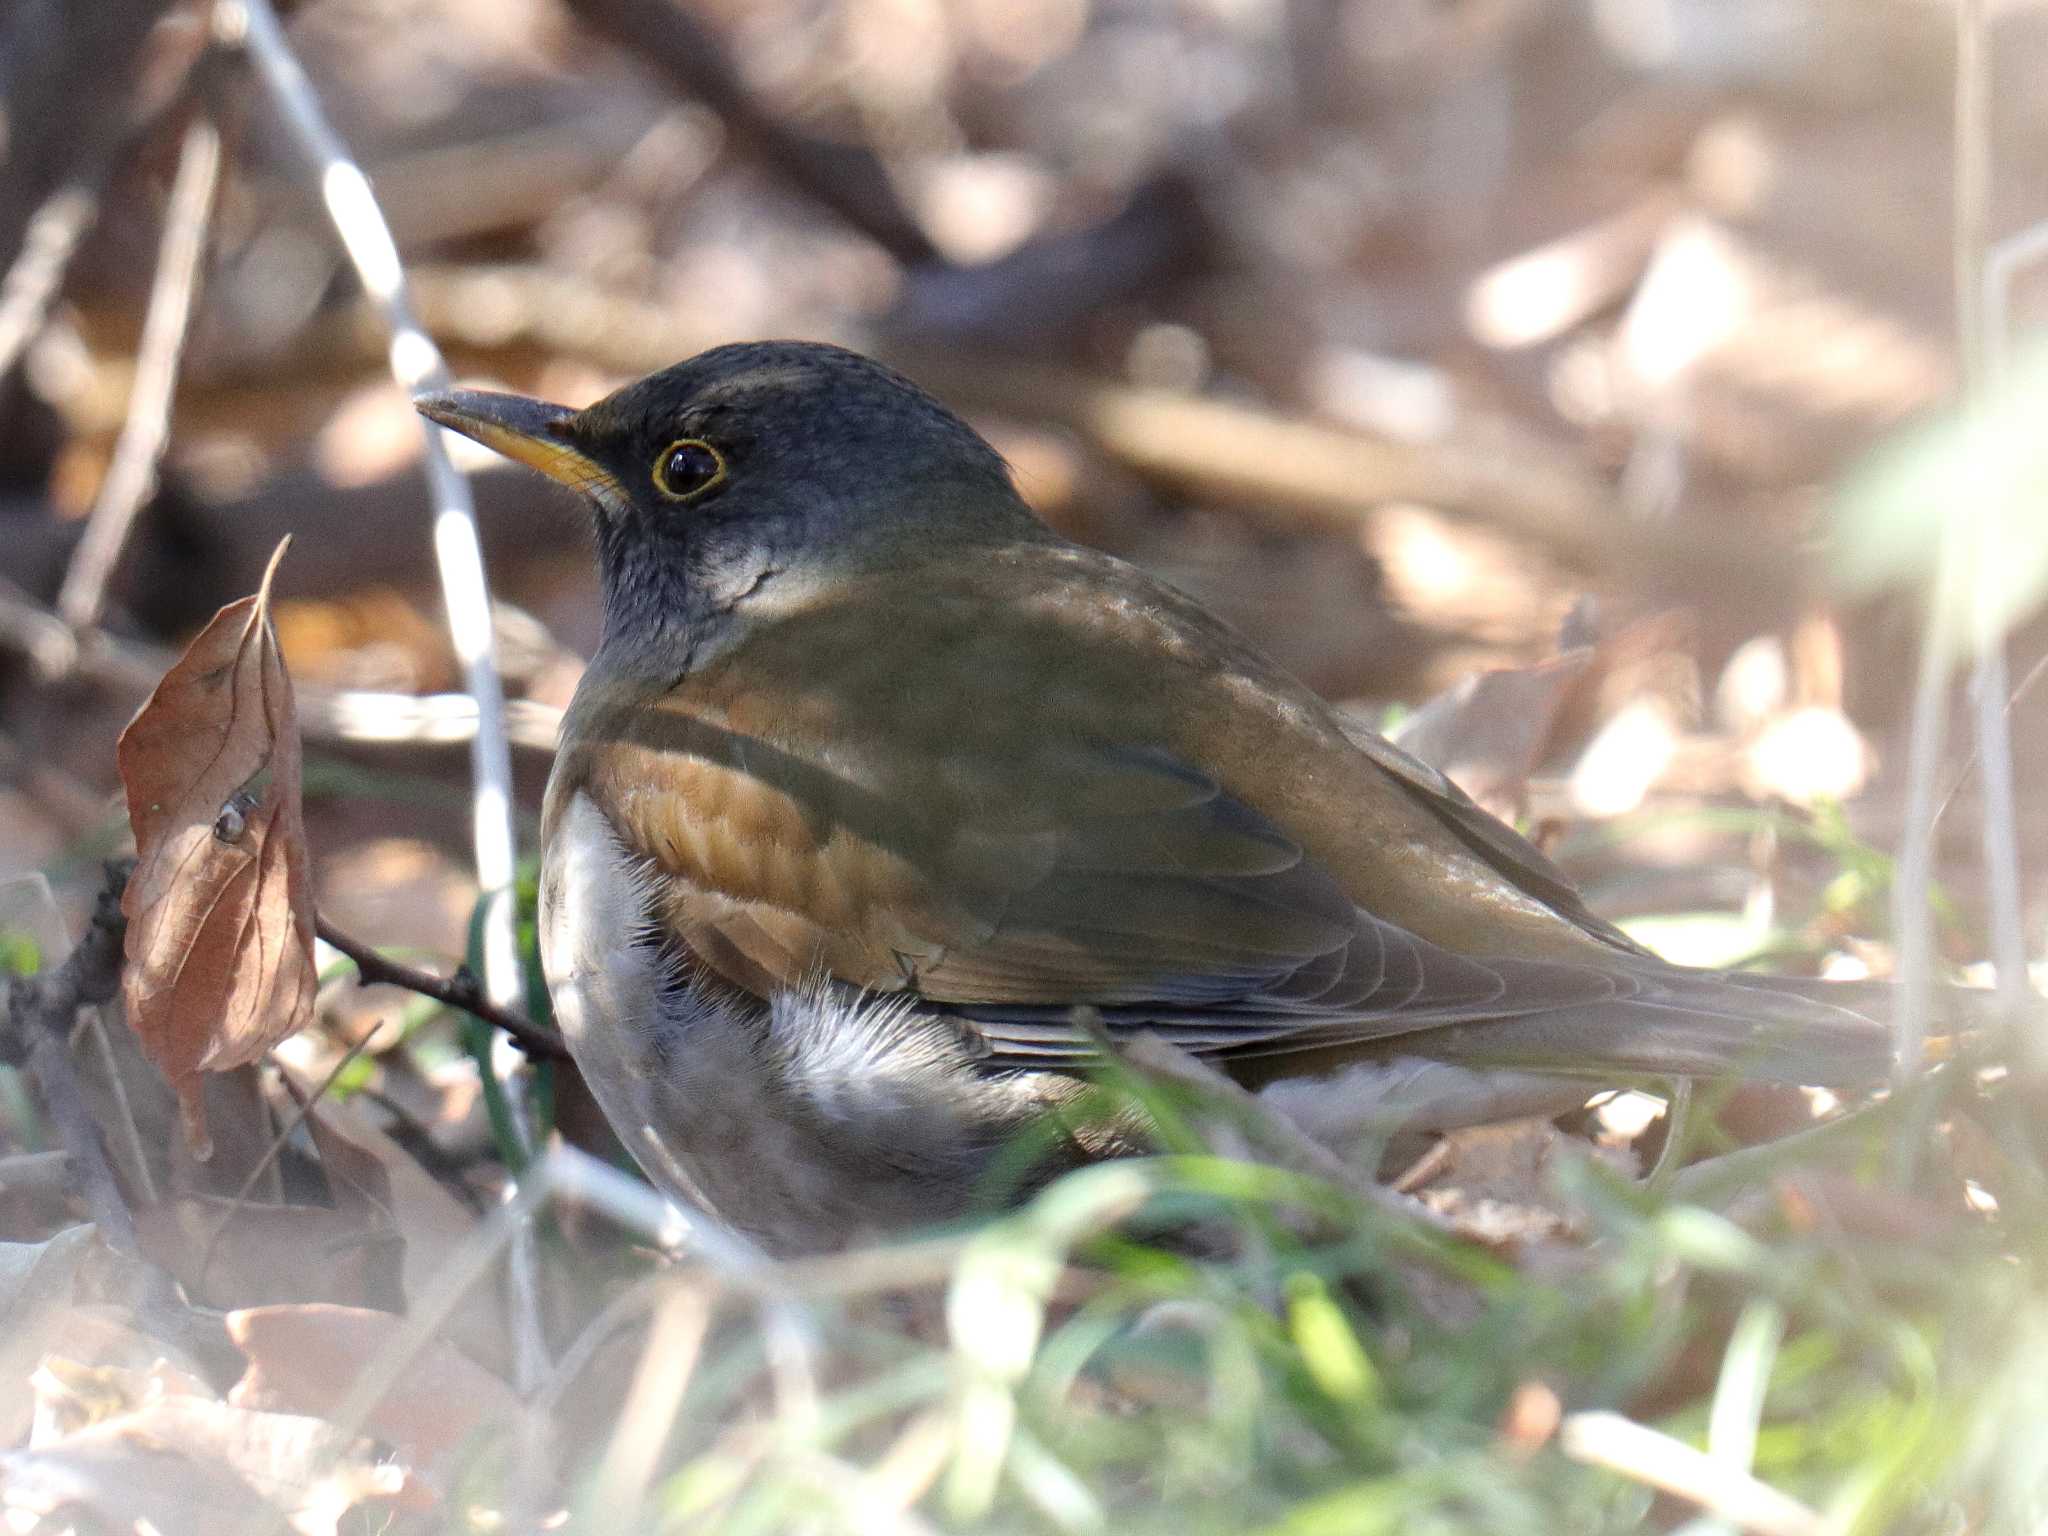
[40,1011]
[91,974]
[131,476]
[91,49]
[36,1018]
[458,991]
[846,179]
[1051,284]
[69,69]
[53,236]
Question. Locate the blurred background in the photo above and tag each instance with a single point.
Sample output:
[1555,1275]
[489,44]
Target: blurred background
[1419,337]
[1565,385]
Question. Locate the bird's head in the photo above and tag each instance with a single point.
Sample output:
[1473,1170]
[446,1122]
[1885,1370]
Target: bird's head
[750,470]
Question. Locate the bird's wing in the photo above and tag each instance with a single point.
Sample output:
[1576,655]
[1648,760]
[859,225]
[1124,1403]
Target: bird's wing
[1500,845]
[1135,879]
[1013,888]
[1173,908]
[1100,798]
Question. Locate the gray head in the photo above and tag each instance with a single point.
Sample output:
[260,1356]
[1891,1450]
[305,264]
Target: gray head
[749,467]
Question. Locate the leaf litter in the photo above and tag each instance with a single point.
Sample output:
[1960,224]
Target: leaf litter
[118,1448]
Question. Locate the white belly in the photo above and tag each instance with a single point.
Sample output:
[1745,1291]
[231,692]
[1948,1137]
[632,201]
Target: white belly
[832,1115]
[607,988]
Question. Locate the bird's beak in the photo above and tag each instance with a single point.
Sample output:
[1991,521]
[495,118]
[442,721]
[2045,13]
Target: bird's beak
[526,431]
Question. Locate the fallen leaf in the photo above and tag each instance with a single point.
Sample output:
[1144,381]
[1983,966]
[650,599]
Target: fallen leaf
[119,1483]
[220,907]
[1489,732]
[229,1254]
[304,1359]
[35,1274]
[376,1179]
[72,1395]
[39,1289]
[183,1463]
[73,1297]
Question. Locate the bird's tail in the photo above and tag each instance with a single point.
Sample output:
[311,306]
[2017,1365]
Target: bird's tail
[1836,1034]
[1958,1017]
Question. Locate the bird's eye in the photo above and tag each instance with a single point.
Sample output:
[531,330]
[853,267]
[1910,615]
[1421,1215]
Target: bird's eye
[686,470]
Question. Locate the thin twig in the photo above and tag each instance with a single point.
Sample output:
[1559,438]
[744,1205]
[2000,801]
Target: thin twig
[654,1399]
[53,237]
[36,1015]
[39,1013]
[35,1172]
[1713,1179]
[1912,903]
[131,476]
[1289,473]
[56,651]
[270,1154]
[850,181]
[1993,699]
[367,716]
[56,229]
[372,715]
[642,1296]
[457,991]
[416,364]
[1979,354]
[95,1030]
[2019,691]
[1434,1160]
[564,1172]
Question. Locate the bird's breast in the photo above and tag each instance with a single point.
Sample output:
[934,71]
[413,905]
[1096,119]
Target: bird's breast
[766,864]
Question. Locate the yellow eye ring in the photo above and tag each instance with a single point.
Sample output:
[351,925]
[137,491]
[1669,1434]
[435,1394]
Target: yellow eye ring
[687,468]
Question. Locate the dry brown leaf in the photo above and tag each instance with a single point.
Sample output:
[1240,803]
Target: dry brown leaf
[242,1254]
[377,1180]
[220,907]
[1489,732]
[304,1359]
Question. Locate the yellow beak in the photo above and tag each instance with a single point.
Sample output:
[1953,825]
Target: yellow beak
[526,431]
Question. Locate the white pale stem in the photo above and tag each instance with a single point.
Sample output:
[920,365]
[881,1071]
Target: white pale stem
[416,364]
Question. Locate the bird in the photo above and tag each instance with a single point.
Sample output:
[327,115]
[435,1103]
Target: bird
[881,809]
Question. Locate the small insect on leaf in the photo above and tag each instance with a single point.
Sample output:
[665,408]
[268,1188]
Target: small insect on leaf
[220,908]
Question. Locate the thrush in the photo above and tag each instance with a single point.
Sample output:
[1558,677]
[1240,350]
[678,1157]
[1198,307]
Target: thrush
[874,781]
